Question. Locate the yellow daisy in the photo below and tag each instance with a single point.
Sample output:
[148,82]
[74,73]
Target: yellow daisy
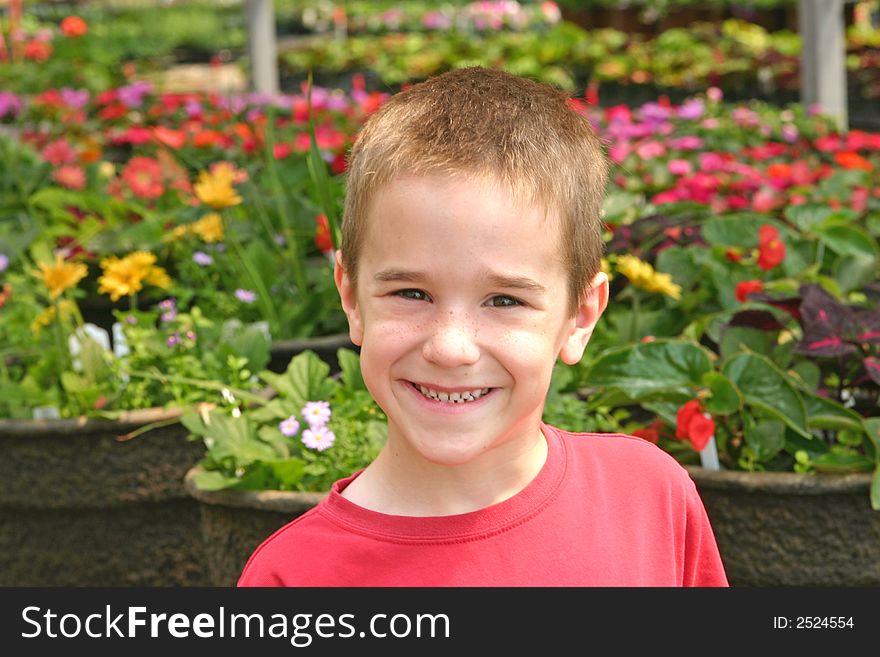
[642,275]
[215,188]
[61,275]
[209,227]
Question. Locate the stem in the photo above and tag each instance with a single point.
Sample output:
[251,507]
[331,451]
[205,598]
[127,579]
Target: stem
[633,320]
[208,385]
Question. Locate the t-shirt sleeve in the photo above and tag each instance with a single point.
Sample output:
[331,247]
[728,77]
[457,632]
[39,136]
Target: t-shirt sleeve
[702,564]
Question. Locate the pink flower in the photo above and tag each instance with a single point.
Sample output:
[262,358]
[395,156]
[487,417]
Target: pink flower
[319,438]
[686,143]
[650,149]
[70,176]
[58,152]
[764,200]
[711,162]
[619,151]
[679,167]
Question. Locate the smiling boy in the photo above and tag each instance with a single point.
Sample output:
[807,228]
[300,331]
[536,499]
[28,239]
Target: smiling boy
[470,265]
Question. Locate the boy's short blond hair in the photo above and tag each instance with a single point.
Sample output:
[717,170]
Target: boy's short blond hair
[487,124]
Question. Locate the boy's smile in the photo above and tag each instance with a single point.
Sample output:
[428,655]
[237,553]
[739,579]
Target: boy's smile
[461,311]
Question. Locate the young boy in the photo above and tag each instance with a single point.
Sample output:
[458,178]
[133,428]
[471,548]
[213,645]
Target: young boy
[470,262]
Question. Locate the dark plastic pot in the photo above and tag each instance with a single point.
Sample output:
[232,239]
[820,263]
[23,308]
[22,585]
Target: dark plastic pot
[235,522]
[789,529]
[79,507]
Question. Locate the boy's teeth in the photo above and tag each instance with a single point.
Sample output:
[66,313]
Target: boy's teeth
[453,397]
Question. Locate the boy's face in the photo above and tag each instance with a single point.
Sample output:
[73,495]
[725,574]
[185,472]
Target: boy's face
[461,313]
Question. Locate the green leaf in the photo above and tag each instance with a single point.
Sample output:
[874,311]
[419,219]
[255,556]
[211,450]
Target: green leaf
[825,413]
[663,368]
[213,480]
[289,472]
[875,490]
[350,368]
[735,339]
[767,388]
[807,216]
[307,378]
[725,399]
[766,438]
[738,229]
[235,438]
[849,240]
[837,462]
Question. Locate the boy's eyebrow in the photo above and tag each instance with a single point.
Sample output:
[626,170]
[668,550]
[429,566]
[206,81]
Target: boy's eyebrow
[493,278]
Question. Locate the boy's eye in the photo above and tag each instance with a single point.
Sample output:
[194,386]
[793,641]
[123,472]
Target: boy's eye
[504,301]
[415,295]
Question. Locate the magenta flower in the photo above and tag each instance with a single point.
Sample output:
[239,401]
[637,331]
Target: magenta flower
[203,259]
[679,167]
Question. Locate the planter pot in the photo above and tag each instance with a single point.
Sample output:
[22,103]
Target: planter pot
[789,529]
[324,346]
[235,522]
[79,507]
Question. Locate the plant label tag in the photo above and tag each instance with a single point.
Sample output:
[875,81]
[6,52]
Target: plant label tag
[46,413]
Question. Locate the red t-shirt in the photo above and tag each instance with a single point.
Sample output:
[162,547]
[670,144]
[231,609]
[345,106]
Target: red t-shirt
[604,510]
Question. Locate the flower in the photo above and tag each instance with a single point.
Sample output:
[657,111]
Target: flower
[771,249]
[4,262]
[143,175]
[215,189]
[745,288]
[319,438]
[694,425]
[126,276]
[73,26]
[245,296]
[316,413]
[209,227]
[323,239]
[72,177]
[61,275]
[290,426]
[202,258]
[642,274]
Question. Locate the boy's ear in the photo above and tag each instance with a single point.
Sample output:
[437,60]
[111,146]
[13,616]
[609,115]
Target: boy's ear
[585,319]
[349,301]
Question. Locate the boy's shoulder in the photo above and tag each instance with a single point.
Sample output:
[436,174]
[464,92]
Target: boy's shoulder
[620,455]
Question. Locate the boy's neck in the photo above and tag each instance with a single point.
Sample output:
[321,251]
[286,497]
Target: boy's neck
[397,485]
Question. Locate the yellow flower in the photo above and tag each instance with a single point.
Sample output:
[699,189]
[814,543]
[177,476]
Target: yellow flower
[176,234]
[61,275]
[606,267]
[159,277]
[215,188]
[126,276]
[209,227]
[642,275]
[43,320]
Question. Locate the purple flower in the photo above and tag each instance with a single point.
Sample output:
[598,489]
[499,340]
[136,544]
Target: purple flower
[75,98]
[789,133]
[169,310]
[132,95]
[692,110]
[193,109]
[319,438]
[4,261]
[191,336]
[173,340]
[316,413]
[202,258]
[245,296]
[289,427]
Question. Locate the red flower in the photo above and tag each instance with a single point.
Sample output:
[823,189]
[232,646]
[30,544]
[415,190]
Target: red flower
[73,26]
[172,138]
[745,288]
[693,425]
[143,175]
[39,51]
[323,239]
[648,433]
[771,249]
[852,160]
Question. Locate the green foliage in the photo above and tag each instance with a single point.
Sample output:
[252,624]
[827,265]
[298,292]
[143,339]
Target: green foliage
[249,448]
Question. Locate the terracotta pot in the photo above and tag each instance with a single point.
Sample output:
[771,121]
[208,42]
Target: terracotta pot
[325,346]
[235,522]
[79,507]
[789,529]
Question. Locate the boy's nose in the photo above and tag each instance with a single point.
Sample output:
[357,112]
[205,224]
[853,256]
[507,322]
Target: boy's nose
[452,343]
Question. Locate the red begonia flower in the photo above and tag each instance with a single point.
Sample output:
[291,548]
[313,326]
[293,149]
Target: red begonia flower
[323,239]
[693,425]
[745,288]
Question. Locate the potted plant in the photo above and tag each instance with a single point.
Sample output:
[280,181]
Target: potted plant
[273,458]
[93,450]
